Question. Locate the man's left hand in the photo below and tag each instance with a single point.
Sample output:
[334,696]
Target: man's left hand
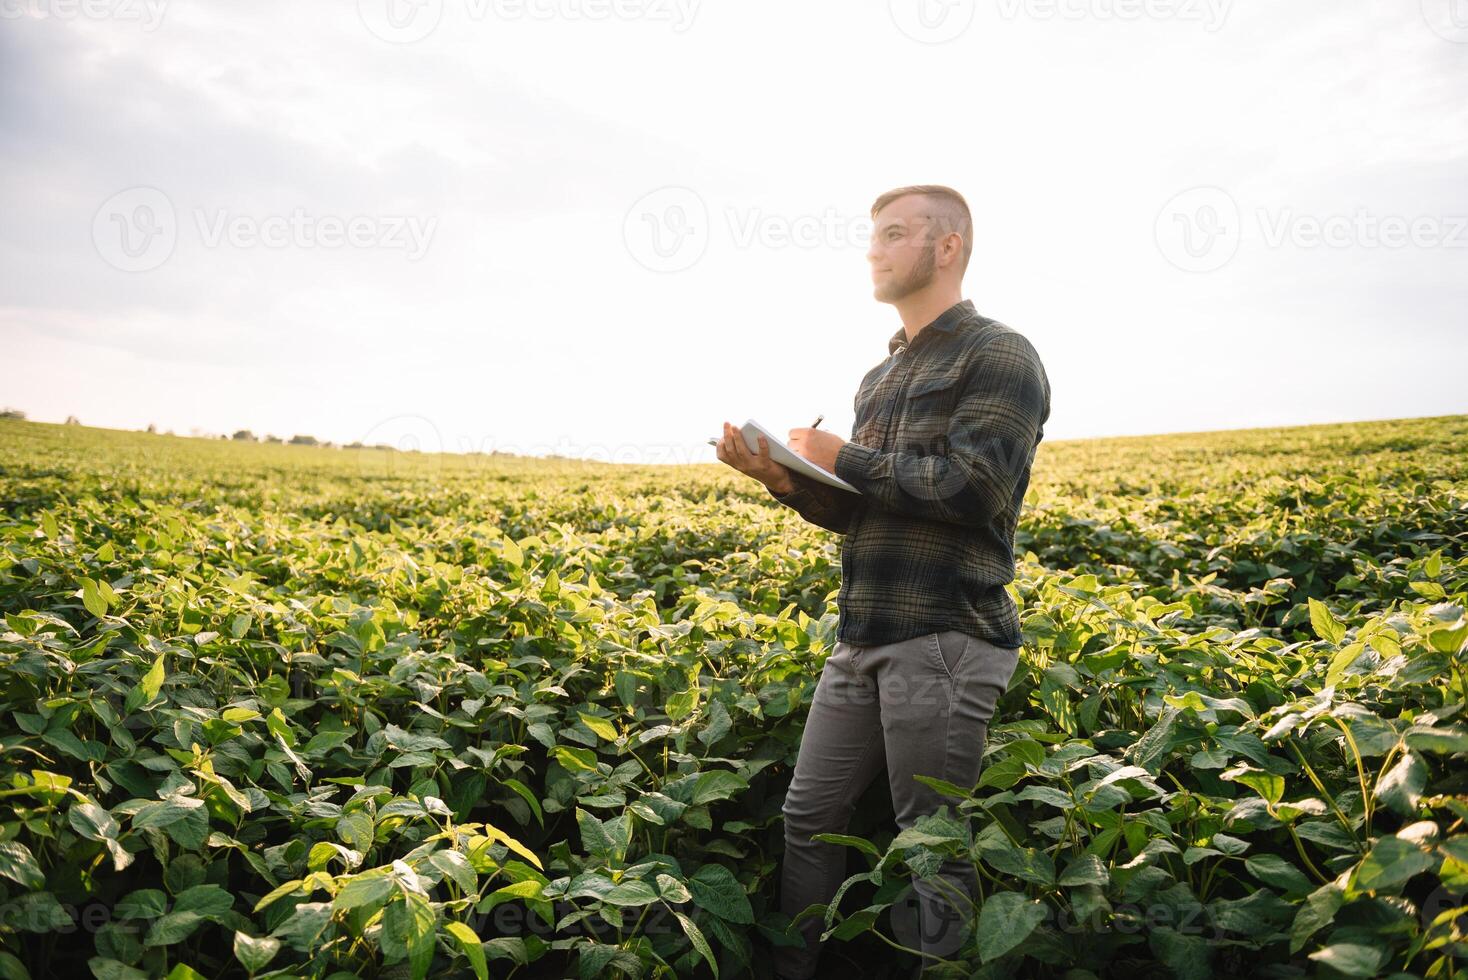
[818,446]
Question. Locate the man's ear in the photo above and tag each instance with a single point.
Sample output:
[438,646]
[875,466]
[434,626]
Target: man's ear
[956,240]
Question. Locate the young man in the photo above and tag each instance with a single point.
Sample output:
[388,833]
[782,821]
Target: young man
[928,638]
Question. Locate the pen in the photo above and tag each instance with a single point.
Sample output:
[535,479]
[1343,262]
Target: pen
[813,425]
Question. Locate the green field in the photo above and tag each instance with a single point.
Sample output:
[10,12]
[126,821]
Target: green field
[290,711]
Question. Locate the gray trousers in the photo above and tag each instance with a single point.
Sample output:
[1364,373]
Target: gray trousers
[918,707]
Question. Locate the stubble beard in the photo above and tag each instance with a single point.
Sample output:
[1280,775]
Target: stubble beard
[921,275]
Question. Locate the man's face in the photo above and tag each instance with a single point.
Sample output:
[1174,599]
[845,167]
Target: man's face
[902,251]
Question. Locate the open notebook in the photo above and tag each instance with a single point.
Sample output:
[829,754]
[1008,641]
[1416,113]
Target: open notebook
[783,454]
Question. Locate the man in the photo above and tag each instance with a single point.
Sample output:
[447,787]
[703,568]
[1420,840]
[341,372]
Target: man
[928,638]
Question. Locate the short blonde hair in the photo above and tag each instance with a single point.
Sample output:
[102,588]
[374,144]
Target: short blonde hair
[949,213]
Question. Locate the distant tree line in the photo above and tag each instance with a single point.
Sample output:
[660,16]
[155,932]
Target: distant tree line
[245,435]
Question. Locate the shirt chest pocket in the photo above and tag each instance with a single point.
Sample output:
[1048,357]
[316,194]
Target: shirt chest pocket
[926,412]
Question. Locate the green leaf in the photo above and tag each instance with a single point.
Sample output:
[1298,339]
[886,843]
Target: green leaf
[145,903]
[1317,911]
[207,901]
[238,716]
[19,865]
[1401,787]
[626,684]
[473,948]
[277,893]
[715,889]
[255,953]
[1449,740]
[182,971]
[847,840]
[92,599]
[525,793]
[717,784]
[1326,626]
[369,889]
[92,822]
[407,931]
[104,968]
[671,889]
[355,830]
[696,937]
[598,725]
[172,928]
[277,725]
[455,866]
[1276,871]
[575,758]
[1390,863]
[1266,784]
[1085,870]
[1352,959]
[147,688]
[631,892]
[1343,658]
[1005,921]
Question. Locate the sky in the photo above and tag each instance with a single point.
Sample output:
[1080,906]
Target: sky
[601,228]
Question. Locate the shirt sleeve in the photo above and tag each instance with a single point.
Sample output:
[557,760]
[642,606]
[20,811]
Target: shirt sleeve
[999,418]
[820,503]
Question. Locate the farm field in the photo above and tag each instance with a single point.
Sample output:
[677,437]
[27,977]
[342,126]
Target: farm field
[288,711]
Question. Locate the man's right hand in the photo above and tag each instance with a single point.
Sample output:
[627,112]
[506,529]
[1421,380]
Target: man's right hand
[732,450]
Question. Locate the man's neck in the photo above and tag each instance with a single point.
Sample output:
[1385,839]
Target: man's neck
[924,306]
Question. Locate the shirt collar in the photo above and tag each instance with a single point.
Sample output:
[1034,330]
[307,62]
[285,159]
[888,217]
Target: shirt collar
[945,323]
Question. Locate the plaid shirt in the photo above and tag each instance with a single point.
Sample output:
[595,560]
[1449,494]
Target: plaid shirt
[945,434]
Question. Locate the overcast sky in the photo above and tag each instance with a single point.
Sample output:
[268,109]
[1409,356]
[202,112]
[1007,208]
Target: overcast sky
[603,227]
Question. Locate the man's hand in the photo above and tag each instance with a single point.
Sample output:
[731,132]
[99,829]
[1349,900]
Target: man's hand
[732,450]
[818,446]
